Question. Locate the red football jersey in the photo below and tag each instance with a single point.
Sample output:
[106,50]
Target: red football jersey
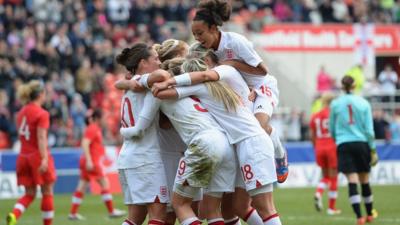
[319,125]
[29,118]
[93,133]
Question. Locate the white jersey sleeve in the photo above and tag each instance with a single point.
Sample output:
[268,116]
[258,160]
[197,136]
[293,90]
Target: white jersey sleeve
[186,91]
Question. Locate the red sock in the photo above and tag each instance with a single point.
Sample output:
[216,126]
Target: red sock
[107,199]
[47,208]
[216,221]
[156,222]
[76,202]
[333,192]
[322,185]
[22,204]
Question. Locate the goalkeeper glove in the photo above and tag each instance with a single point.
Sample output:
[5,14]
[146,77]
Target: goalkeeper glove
[374,158]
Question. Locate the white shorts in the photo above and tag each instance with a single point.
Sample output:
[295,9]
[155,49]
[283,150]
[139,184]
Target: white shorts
[223,179]
[267,96]
[205,152]
[257,161]
[264,103]
[146,184]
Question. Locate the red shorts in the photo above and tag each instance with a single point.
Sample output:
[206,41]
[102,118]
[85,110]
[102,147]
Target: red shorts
[28,171]
[326,157]
[97,172]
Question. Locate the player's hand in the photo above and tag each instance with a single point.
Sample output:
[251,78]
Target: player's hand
[135,86]
[252,95]
[229,62]
[157,87]
[374,158]
[89,165]
[43,165]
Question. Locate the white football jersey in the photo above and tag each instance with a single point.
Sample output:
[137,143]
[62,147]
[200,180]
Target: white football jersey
[146,150]
[232,77]
[170,141]
[188,117]
[236,46]
[238,125]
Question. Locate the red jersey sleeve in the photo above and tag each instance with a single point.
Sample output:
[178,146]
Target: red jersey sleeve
[44,120]
[90,133]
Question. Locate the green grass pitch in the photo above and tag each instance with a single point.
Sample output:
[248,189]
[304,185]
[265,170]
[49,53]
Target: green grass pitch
[295,206]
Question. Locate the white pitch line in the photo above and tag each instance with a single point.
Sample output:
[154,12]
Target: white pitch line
[341,218]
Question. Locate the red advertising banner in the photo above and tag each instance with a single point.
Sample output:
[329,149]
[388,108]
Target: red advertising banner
[282,37]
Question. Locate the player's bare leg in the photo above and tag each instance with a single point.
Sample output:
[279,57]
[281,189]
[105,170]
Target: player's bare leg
[264,204]
[157,213]
[77,198]
[210,208]
[183,210]
[282,170]
[136,215]
[22,204]
[107,199]
[227,210]
[242,207]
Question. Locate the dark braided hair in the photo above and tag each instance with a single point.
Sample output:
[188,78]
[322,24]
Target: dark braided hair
[130,57]
[213,12]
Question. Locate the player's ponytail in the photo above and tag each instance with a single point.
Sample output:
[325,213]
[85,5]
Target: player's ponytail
[30,91]
[196,50]
[170,48]
[218,89]
[173,66]
[213,12]
[131,57]
[348,84]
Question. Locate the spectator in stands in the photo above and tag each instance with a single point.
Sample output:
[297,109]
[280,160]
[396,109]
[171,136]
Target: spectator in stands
[395,128]
[7,128]
[381,125]
[293,131]
[324,81]
[357,73]
[388,78]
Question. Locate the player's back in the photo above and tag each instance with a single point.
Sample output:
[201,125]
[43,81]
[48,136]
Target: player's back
[96,148]
[29,119]
[350,114]
[238,125]
[188,117]
[320,126]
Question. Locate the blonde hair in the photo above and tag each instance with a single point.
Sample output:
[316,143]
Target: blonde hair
[196,50]
[169,49]
[173,66]
[218,89]
[327,98]
[30,91]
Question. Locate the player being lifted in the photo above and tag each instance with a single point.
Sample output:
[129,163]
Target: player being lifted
[35,165]
[230,46]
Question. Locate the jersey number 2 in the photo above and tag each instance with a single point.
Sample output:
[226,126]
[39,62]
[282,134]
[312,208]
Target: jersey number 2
[23,130]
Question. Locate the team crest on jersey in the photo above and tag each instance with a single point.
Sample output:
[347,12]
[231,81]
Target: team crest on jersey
[259,107]
[229,54]
[163,191]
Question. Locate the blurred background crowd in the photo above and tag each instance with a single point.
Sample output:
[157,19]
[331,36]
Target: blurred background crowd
[71,45]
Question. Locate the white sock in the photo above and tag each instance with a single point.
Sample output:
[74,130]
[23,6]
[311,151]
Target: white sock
[276,141]
[253,218]
[190,220]
[273,220]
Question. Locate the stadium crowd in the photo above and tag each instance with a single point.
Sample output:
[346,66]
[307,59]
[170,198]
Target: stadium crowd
[71,46]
